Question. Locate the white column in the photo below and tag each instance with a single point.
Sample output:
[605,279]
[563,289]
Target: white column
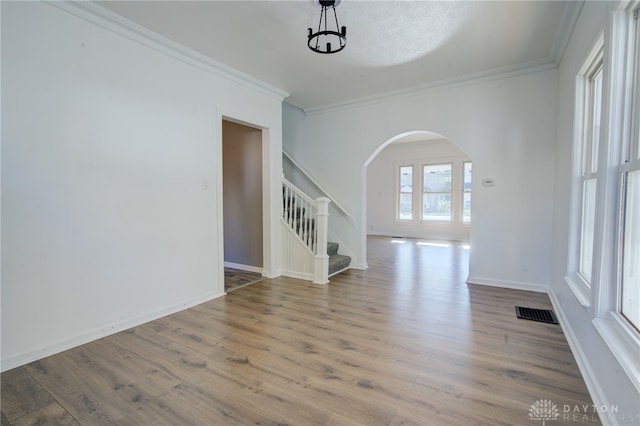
[321,262]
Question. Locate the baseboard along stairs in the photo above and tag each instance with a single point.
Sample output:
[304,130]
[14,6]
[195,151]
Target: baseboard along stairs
[306,220]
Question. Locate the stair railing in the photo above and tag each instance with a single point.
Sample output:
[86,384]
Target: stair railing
[309,220]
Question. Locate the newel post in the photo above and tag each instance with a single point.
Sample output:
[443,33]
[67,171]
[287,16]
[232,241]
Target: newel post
[321,261]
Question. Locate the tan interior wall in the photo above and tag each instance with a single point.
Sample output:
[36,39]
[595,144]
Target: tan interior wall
[242,194]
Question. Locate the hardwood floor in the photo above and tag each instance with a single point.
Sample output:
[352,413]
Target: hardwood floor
[404,342]
[237,278]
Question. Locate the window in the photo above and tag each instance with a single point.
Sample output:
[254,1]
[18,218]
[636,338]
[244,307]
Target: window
[588,225]
[616,257]
[590,145]
[466,192]
[588,105]
[443,189]
[629,280]
[436,193]
[405,210]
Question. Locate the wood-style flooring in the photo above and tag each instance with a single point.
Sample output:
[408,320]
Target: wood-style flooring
[405,342]
[237,278]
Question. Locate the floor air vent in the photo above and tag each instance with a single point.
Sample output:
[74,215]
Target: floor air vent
[542,315]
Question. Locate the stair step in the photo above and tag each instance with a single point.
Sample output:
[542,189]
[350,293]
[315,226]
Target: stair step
[338,262]
[332,248]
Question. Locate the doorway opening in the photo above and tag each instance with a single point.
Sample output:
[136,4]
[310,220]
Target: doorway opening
[242,199]
[418,185]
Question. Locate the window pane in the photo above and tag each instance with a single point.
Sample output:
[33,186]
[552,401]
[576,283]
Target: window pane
[436,207]
[466,198]
[595,110]
[436,197]
[630,303]
[406,193]
[588,224]
[437,178]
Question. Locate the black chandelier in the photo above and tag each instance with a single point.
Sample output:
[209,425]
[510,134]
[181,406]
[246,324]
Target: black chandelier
[325,40]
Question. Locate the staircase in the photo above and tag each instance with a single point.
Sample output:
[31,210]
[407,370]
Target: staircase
[337,262]
[306,252]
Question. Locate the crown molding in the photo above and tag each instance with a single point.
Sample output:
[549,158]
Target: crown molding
[568,21]
[450,83]
[567,24]
[111,21]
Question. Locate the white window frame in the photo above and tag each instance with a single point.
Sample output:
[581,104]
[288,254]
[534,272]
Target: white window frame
[584,169]
[620,123]
[457,191]
[399,192]
[630,159]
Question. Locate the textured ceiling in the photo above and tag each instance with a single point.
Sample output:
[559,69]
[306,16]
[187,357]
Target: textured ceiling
[392,45]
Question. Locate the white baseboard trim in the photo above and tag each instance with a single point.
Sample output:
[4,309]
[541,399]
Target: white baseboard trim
[242,267]
[514,285]
[98,333]
[298,275]
[337,272]
[415,236]
[359,266]
[590,379]
[274,274]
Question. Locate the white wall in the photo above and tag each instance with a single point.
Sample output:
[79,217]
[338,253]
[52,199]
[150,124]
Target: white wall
[110,178]
[382,184]
[507,126]
[605,377]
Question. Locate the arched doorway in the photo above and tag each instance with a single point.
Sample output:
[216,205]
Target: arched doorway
[417,185]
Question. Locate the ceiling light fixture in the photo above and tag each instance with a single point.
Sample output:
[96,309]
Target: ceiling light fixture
[325,40]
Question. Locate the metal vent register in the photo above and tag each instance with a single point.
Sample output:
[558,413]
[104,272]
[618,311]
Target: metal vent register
[542,315]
